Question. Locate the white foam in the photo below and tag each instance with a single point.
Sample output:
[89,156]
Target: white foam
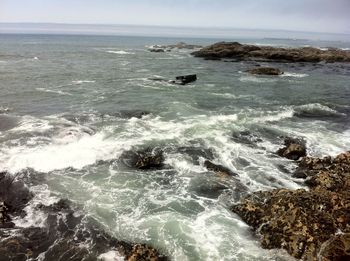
[112,255]
[82,81]
[4,109]
[345,49]
[273,116]
[317,107]
[53,91]
[35,58]
[296,75]
[59,154]
[119,52]
[260,79]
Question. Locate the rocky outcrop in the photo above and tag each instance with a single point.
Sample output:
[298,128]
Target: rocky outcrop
[64,235]
[149,158]
[235,50]
[293,149]
[168,48]
[218,169]
[311,225]
[265,71]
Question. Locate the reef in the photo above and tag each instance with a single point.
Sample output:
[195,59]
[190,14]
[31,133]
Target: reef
[311,224]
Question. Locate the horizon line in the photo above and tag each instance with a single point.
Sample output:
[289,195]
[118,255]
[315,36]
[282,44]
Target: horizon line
[175,26]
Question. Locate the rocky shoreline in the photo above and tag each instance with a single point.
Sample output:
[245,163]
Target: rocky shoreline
[311,224]
[237,51]
[66,234]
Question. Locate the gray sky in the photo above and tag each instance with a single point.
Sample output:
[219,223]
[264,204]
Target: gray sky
[301,15]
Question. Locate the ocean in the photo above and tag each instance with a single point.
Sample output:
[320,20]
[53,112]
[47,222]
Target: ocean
[71,105]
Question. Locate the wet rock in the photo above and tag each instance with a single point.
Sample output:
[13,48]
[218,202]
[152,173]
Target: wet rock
[266,71]
[306,223]
[144,159]
[180,45]
[294,149]
[66,236]
[196,153]
[14,193]
[268,53]
[246,137]
[5,219]
[185,79]
[132,114]
[156,50]
[143,252]
[218,169]
[337,248]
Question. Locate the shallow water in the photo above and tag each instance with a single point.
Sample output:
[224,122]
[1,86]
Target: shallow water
[66,115]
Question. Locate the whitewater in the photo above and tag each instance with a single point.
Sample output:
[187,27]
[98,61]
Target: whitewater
[67,117]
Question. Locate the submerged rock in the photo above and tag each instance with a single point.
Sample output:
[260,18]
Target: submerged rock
[144,159]
[218,169]
[306,223]
[67,236]
[235,50]
[294,149]
[266,71]
[246,137]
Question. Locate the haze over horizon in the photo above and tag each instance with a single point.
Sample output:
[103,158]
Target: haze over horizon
[298,15]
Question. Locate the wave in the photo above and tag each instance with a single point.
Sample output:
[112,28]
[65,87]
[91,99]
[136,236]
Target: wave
[4,109]
[53,91]
[82,81]
[119,52]
[315,110]
[255,79]
[297,75]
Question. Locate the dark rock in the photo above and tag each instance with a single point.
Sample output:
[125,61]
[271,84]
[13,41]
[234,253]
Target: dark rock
[156,50]
[266,71]
[5,219]
[67,236]
[306,223]
[268,53]
[144,159]
[197,152]
[185,79]
[132,113]
[14,193]
[246,137]
[337,248]
[219,169]
[294,149]
[180,45]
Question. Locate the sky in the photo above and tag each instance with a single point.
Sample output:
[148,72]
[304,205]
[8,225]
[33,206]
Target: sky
[331,16]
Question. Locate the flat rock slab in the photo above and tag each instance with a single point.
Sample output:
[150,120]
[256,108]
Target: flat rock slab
[235,50]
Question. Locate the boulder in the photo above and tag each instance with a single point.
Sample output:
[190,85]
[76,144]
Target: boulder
[185,79]
[294,149]
[150,158]
[266,71]
[218,169]
[156,50]
[235,50]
